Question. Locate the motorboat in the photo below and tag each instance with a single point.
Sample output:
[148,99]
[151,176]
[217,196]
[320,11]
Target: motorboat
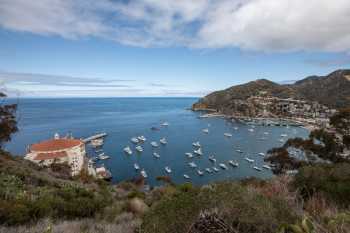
[189,155]
[187,177]
[154,128]
[212,159]
[163,141]
[251,130]
[155,154]
[199,172]
[136,166]
[233,164]
[102,156]
[168,169]
[97,142]
[266,167]
[266,133]
[239,151]
[139,148]
[164,124]
[249,160]
[223,166]
[198,151]
[227,135]
[134,140]
[208,170]
[143,173]
[261,154]
[281,140]
[257,168]
[215,169]
[205,131]
[196,144]
[127,150]
[154,144]
[192,165]
[284,135]
[141,138]
[235,128]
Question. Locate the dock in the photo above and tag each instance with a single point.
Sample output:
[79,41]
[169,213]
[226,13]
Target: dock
[93,137]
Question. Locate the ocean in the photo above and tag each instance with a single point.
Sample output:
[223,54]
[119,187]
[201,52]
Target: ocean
[124,118]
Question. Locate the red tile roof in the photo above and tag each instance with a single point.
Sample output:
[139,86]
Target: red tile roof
[55,145]
[52,155]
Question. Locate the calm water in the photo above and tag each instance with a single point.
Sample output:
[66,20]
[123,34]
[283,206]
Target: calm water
[123,118]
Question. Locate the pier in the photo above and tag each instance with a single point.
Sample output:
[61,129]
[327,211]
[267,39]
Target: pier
[89,139]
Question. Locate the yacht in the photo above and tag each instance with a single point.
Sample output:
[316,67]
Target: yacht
[239,151]
[141,138]
[196,144]
[102,156]
[223,166]
[155,154]
[251,130]
[249,160]
[189,155]
[212,159]
[139,148]
[136,166]
[208,170]
[257,168]
[134,140]
[215,169]
[198,151]
[186,176]
[205,131]
[154,144]
[97,142]
[128,150]
[143,173]
[192,165]
[163,141]
[168,169]
[164,124]
[284,135]
[199,172]
[232,163]
[266,167]
[227,135]
[261,154]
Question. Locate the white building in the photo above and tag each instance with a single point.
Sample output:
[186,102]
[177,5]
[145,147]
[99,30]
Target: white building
[59,150]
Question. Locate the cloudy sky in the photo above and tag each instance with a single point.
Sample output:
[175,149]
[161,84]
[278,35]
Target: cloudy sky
[78,48]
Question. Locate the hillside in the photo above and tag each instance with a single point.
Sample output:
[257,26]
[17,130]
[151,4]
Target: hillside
[332,90]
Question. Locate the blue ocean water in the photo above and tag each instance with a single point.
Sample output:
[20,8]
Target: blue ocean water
[124,118]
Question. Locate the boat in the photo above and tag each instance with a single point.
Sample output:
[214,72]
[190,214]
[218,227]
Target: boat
[261,154]
[223,166]
[163,141]
[139,148]
[134,140]
[198,151]
[97,142]
[208,170]
[154,144]
[251,130]
[215,169]
[284,135]
[102,156]
[266,133]
[136,166]
[227,135]
[281,140]
[186,176]
[99,151]
[249,160]
[127,150]
[155,154]
[154,128]
[212,159]
[141,138]
[232,163]
[205,131]
[189,155]
[266,167]
[199,172]
[196,144]
[143,173]
[192,165]
[235,128]
[257,168]
[168,169]
[164,124]
[239,151]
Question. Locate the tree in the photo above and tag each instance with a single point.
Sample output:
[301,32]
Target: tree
[341,121]
[8,122]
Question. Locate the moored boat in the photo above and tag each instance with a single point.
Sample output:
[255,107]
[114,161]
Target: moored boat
[186,176]
[198,151]
[227,135]
[127,150]
[257,168]
[155,154]
[196,144]
[163,141]
[167,169]
[223,166]
[212,159]
[134,140]
[189,155]
[139,148]
[136,166]
[192,165]
[249,160]
[200,173]
[215,169]
[154,144]
[233,164]
[143,173]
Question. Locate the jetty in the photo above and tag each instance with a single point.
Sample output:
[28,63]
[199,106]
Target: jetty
[93,137]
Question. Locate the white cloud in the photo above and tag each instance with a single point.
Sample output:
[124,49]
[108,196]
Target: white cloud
[262,25]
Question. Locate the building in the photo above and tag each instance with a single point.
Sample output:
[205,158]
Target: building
[59,150]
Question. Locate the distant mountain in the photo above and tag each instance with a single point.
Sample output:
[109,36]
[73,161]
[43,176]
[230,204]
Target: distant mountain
[332,90]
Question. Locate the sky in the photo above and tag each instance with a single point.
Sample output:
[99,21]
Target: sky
[156,48]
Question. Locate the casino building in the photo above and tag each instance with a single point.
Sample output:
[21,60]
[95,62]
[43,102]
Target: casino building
[59,150]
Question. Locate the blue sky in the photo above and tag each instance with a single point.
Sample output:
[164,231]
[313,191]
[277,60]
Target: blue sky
[56,48]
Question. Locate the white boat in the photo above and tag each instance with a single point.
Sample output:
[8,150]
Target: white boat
[233,164]
[227,135]
[103,156]
[155,154]
[186,176]
[266,133]
[154,144]
[163,141]
[97,142]
[199,172]
[239,151]
[212,159]
[198,151]
[223,166]
[251,130]
[139,148]
[208,170]
[261,154]
[266,167]
[127,150]
[249,160]
[143,173]
[235,128]
[189,155]
[192,165]
[134,140]
[196,144]
[281,140]
[284,135]
[164,124]
[205,131]
[168,169]
[136,166]
[257,168]
[141,138]
[215,169]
